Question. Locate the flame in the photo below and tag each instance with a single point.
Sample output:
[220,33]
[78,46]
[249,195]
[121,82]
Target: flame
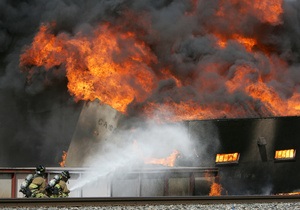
[92,71]
[168,161]
[121,69]
[293,103]
[247,42]
[289,193]
[45,51]
[285,154]
[266,11]
[215,189]
[248,80]
[232,157]
[64,157]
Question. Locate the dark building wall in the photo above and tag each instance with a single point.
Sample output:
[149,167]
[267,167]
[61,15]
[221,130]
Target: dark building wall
[256,140]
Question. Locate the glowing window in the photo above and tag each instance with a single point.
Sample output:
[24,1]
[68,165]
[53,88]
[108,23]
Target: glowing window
[287,154]
[227,158]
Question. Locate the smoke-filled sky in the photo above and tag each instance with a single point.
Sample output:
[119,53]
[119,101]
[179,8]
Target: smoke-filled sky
[196,59]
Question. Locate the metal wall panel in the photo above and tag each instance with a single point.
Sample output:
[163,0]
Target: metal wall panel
[5,183]
[96,124]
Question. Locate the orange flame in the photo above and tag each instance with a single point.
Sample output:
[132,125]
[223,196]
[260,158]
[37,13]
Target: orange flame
[266,11]
[215,189]
[247,79]
[289,193]
[64,157]
[285,154]
[168,161]
[247,42]
[92,69]
[122,71]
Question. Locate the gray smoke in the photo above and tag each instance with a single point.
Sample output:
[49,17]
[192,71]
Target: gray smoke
[36,114]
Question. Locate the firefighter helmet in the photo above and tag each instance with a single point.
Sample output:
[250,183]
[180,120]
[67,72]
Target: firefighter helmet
[40,170]
[66,174]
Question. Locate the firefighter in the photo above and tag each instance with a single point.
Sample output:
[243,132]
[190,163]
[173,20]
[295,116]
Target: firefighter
[38,184]
[60,189]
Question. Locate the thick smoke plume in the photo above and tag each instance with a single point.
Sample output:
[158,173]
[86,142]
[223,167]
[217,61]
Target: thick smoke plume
[202,59]
[223,59]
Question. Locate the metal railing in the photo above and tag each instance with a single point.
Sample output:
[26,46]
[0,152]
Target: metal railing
[87,182]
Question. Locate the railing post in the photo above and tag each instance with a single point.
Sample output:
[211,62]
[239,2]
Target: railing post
[192,184]
[13,185]
[166,184]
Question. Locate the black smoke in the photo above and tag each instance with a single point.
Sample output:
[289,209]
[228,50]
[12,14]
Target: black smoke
[38,117]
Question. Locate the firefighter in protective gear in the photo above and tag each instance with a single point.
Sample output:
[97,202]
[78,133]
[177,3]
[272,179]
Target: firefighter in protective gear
[60,189]
[38,185]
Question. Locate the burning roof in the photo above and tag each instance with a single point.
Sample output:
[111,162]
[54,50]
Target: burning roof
[226,62]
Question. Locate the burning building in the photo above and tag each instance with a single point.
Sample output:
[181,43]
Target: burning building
[252,155]
[78,74]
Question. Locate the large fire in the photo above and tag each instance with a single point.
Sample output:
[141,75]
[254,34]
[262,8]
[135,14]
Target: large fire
[94,70]
[123,66]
